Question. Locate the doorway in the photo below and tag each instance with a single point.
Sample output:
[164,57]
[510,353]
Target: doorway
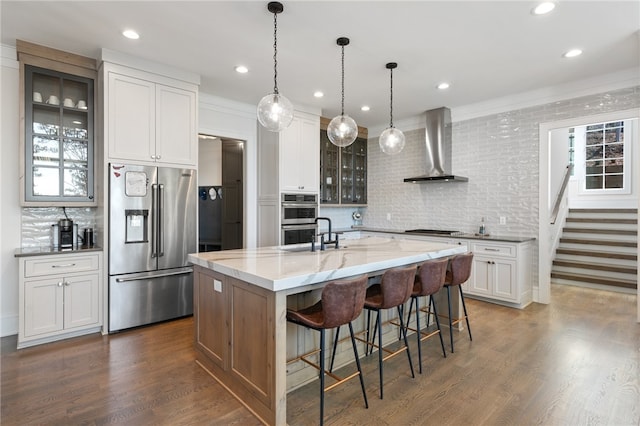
[221,193]
[545,137]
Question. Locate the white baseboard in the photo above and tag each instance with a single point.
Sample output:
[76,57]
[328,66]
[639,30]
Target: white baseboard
[8,325]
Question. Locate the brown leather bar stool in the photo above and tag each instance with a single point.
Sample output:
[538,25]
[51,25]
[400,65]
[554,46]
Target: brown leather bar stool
[392,292]
[428,281]
[341,303]
[458,273]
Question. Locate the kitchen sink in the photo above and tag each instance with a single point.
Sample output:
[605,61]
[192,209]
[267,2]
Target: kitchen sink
[297,248]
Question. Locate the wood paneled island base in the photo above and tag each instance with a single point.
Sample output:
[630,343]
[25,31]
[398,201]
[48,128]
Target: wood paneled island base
[240,303]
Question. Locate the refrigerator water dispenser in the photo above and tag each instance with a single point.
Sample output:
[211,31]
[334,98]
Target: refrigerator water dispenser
[136,228]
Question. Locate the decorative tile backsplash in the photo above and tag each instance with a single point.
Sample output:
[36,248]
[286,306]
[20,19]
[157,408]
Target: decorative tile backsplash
[37,221]
[498,153]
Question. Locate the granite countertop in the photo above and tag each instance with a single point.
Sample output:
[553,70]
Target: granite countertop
[458,235]
[48,250]
[288,267]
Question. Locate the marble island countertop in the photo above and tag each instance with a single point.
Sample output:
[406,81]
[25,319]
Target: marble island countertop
[289,267]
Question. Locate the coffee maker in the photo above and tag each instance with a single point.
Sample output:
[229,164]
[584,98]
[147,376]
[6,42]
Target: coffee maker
[65,229]
[64,234]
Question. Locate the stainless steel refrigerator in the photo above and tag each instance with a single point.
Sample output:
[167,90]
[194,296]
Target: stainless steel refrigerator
[152,228]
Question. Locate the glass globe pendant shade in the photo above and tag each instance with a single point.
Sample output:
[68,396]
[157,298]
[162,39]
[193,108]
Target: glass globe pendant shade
[342,130]
[275,112]
[391,141]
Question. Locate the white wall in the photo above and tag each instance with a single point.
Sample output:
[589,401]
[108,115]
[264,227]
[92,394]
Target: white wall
[10,205]
[209,162]
[235,120]
[558,161]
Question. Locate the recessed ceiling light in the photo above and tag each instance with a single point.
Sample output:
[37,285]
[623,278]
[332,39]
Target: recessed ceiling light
[131,34]
[242,69]
[318,94]
[365,108]
[443,86]
[573,53]
[543,8]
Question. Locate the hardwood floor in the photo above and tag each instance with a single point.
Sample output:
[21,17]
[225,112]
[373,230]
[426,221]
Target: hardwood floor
[575,361]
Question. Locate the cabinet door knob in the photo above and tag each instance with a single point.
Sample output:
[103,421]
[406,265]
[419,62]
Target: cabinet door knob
[153,157]
[67,283]
[158,157]
[60,283]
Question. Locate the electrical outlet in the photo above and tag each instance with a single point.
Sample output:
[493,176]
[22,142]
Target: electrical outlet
[503,220]
[388,216]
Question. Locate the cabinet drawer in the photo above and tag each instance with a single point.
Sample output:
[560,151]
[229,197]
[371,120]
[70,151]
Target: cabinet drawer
[61,265]
[481,249]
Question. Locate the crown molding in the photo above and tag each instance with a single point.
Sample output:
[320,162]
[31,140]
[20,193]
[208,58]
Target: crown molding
[600,84]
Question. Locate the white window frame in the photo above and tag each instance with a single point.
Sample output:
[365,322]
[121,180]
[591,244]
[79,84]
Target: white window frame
[630,135]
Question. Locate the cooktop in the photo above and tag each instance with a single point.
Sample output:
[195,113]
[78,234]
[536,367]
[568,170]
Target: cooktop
[431,231]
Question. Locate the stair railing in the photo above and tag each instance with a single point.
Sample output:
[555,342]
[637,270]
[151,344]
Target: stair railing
[563,188]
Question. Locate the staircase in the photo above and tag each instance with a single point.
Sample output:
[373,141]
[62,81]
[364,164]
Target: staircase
[598,247]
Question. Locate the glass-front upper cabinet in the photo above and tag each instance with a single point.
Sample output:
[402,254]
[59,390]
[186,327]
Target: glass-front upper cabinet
[343,172]
[354,173]
[328,170]
[59,137]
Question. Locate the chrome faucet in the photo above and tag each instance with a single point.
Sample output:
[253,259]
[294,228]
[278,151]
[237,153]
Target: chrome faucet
[322,240]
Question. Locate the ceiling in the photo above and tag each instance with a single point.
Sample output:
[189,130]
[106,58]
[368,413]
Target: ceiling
[485,50]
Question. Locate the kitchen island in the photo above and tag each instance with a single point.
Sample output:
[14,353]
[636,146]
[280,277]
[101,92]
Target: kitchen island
[240,303]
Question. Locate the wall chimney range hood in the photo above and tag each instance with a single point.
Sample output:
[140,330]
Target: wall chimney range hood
[438,149]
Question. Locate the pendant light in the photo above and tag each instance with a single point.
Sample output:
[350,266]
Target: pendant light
[392,139]
[275,112]
[342,130]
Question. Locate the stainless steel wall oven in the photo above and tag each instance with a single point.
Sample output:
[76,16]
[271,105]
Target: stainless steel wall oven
[298,214]
[299,208]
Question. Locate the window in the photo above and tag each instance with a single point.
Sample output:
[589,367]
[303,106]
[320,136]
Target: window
[572,150]
[604,156]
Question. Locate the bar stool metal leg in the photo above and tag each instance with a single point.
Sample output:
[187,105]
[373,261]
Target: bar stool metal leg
[418,333]
[450,325]
[322,376]
[335,345]
[435,314]
[466,317]
[406,342]
[355,353]
[379,323]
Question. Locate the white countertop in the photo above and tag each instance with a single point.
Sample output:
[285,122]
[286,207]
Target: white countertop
[284,268]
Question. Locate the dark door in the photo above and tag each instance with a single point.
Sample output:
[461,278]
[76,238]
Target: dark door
[232,194]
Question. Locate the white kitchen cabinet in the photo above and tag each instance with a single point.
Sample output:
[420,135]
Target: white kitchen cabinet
[150,122]
[288,162]
[60,297]
[502,272]
[299,155]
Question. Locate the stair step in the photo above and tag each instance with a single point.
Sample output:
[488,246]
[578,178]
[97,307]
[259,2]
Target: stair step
[603,220]
[601,231]
[599,242]
[595,266]
[630,211]
[603,254]
[598,247]
[632,284]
